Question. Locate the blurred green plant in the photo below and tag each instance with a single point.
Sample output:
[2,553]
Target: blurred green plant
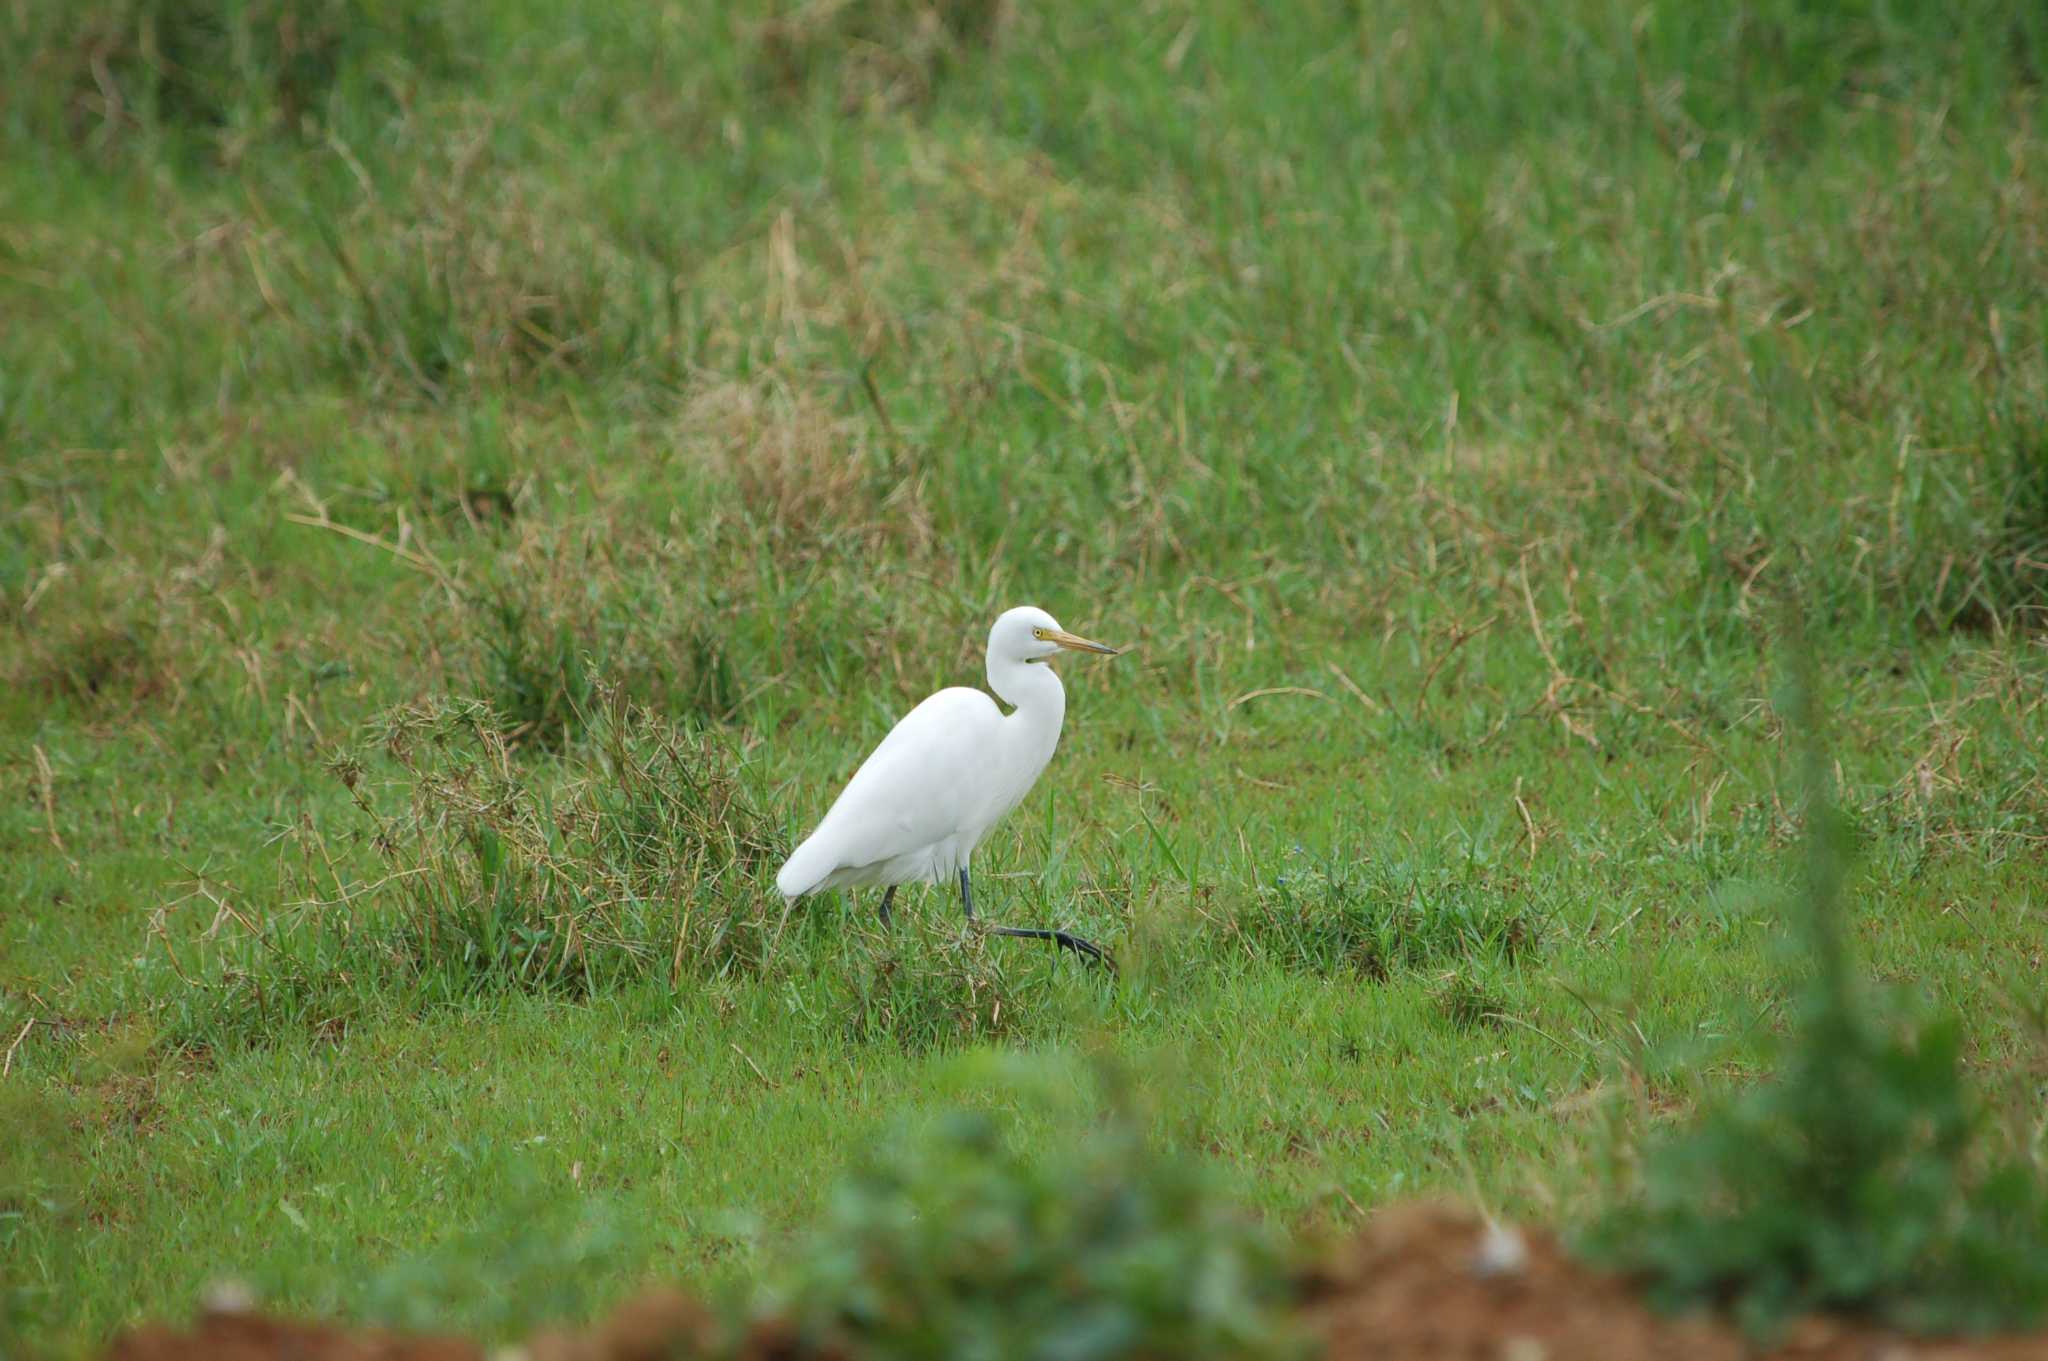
[1865,1177]
[539,1257]
[963,1244]
[52,1125]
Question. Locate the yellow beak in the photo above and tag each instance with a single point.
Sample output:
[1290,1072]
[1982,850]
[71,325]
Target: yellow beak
[1074,643]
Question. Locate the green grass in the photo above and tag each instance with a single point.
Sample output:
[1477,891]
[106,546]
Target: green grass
[1441,399]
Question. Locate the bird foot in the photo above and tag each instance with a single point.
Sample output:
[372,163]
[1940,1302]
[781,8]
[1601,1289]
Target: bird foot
[1066,940]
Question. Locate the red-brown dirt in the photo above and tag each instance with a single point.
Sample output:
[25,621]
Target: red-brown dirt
[1424,1282]
[235,1336]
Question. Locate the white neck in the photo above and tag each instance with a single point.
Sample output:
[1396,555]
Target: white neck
[1031,688]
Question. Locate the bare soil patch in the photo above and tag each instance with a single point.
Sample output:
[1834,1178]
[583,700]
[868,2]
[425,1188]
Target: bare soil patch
[235,1336]
[1430,1282]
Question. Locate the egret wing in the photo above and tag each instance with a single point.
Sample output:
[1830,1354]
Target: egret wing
[929,780]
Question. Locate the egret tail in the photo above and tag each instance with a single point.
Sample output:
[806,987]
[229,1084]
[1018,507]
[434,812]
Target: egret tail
[805,870]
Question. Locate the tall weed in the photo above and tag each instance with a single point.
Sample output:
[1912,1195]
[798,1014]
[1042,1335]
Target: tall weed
[1864,1177]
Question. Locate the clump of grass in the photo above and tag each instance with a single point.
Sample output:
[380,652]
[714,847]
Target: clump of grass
[2009,583]
[101,68]
[98,639]
[557,608]
[2024,544]
[964,1244]
[108,1081]
[929,987]
[639,854]
[1467,1002]
[537,674]
[651,853]
[802,471]
[535,655]
[104,663]
[1863,1178]
[1326,917]
[408,465]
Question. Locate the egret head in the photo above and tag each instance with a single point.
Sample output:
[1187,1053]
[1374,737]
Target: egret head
[1029,634]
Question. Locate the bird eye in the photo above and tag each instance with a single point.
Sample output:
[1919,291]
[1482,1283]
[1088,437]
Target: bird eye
[1039,634]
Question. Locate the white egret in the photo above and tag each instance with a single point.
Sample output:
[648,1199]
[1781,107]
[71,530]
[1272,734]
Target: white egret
[946,774]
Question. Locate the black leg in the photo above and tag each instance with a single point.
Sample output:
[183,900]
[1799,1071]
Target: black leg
[888,895]
[1066,940]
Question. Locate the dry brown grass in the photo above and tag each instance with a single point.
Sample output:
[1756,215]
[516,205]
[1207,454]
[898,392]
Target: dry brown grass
[807,473]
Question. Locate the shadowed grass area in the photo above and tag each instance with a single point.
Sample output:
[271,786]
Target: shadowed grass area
[1441,400]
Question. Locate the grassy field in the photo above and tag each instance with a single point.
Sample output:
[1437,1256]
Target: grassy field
[1444,401]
